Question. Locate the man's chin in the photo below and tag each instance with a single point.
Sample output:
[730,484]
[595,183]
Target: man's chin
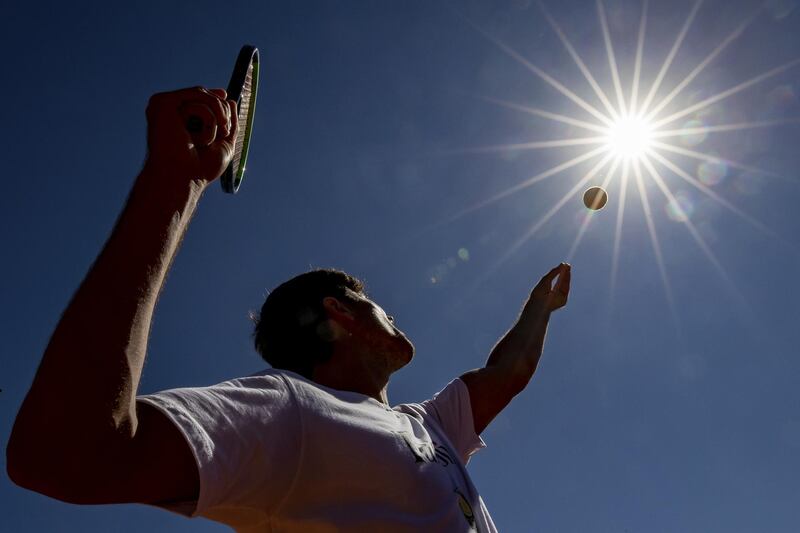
[402,354]
[408,352]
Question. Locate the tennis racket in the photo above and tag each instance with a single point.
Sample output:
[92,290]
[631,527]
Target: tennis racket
[242,89]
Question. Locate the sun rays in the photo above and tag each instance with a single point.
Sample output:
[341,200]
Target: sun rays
[630,132]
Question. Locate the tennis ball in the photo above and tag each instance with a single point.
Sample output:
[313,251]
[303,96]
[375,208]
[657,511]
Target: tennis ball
[595,198]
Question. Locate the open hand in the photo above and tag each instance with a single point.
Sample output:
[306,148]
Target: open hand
[200,156]
[548,297]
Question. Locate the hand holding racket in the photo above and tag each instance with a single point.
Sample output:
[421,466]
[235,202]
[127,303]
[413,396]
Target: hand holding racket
[215,126]
[242,89]
[201,155]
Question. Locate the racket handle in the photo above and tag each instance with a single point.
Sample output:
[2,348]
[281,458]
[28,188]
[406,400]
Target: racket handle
[194,124]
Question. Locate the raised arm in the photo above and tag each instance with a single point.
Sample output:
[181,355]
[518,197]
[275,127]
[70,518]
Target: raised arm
[515,357]
[77,432]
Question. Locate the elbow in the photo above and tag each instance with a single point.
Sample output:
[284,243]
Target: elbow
[23,475]
[516,376]
[31,466]
[46,483]
[26,480]
[14,468]
[23,471]
[16,459]
[68,474]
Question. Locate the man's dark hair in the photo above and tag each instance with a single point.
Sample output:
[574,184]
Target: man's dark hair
[290,330]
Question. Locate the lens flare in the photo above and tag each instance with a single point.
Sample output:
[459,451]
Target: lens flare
[694,133]
[680,208]
[712,172]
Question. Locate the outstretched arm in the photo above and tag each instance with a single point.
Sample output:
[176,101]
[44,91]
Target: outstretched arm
[515,357]
[79,418]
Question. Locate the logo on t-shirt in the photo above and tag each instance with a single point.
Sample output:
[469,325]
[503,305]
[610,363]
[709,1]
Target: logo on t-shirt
[433,452]
[422,451]
[428,452]
[466,509]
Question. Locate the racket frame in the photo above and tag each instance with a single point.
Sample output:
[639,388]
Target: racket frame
[248,55]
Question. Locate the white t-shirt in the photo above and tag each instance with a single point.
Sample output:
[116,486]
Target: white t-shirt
[279,453]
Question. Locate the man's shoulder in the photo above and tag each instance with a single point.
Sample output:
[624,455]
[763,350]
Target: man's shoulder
[451,393]
[265,378]
[264,382]
[304,390]
[264,375]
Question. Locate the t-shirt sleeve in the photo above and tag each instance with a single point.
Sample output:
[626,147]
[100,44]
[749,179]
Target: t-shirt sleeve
[244,435]
[452,409]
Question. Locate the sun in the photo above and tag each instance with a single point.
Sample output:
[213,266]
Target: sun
[630,137]
[630,134]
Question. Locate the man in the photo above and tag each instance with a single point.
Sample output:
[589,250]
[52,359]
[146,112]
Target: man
[309,445]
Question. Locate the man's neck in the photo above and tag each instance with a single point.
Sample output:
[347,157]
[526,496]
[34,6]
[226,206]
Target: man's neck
[349,374]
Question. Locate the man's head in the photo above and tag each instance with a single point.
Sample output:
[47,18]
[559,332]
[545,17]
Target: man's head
[304,319]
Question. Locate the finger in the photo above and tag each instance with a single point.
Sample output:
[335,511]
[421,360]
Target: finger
[564,277]
[233,114]
[197,94]
[228,143]
[210,99]
[547,279]
[219,93]
[222,94]
[222,115]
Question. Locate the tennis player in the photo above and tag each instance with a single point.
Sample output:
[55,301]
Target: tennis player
[309,445]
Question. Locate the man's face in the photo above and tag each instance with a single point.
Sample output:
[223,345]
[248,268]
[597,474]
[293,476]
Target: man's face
[377,331]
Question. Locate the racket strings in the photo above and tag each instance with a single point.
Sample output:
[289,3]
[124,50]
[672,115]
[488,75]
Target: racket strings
[244,112]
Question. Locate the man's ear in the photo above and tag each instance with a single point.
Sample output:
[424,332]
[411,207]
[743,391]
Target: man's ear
[339,315]
[337,310]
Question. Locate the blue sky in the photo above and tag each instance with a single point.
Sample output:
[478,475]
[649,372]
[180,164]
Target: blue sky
[657,407]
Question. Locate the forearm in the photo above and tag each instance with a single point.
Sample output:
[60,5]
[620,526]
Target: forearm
[519,350]
[510,367]
[86,383]
[515,357]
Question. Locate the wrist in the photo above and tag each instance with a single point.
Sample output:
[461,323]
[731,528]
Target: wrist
[536,313]
[166,179]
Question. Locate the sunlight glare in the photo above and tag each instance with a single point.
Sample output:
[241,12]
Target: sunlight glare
[630,137]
